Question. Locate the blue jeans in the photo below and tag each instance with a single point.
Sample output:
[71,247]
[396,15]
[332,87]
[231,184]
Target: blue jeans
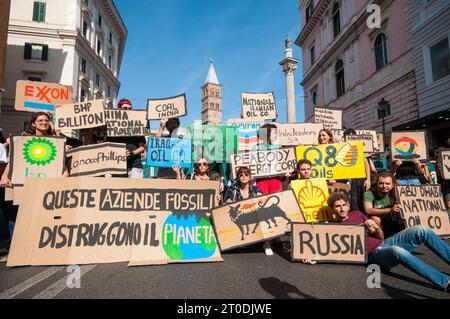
[407,182]
[397,250]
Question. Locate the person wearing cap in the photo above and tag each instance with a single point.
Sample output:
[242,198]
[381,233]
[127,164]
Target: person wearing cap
[134,145]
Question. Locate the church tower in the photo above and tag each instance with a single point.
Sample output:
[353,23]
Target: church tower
[212,99]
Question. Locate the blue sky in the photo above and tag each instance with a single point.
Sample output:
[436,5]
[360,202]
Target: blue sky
[170,44]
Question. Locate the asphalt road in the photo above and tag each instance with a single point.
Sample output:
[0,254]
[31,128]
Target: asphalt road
[246,273]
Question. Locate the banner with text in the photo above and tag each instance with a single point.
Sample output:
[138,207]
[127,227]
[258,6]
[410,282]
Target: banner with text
[258,106]
[82,115]
[256,219]
[98,160]
[334,161]
[423,205]
[167,152]
[298,133]
[89,220]
[40,96]
[340,188]
[265,163]
[170,107]
[443,160]
[330,242]
[338,137]
[126,122]
[329,118]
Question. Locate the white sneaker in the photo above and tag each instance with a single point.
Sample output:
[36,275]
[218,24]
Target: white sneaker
[267,249]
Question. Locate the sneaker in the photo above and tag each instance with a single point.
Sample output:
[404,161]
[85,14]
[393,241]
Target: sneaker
[267,249]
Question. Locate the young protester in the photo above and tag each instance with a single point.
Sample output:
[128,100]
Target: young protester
[409,172]
[134,145]
[243,187]
[382,206]
[325,137]
[397,249]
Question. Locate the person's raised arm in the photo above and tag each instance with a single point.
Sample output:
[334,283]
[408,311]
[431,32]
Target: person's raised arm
[5,182]
[162,125]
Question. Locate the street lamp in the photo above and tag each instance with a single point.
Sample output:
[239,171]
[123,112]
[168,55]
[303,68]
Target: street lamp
[384,109]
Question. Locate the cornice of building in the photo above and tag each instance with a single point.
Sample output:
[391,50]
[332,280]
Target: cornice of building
[315,18]
[211,84]
[345,38]
[44,32]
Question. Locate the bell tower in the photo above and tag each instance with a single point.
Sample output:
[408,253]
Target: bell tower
[212,99]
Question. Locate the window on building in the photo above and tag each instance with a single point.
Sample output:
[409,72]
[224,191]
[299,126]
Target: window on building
[99,21]
[99,47]
[86,2]
[83,95]
[39,11]
[440,59]
[309,11]
[109,61]
[336,19]
[381,57]
[35,51]
[83,65]
[97,79]
[85,28]
[109,91]
[340,79]
[34,78]
[313,58]
[314,98]
[110,37]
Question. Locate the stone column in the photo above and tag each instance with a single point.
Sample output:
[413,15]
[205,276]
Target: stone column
[289,65]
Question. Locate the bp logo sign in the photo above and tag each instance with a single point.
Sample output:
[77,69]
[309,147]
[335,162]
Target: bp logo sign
[39,151]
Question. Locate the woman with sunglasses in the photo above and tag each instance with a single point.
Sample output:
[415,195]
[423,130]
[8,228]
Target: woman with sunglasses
[204,172]
[243,187]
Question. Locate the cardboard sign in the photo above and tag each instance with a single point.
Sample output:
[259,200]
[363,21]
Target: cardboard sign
[41,96]
[298,133]
[380,139]
[256,219]
[367,141]
[126,122]
[214,142]
[329,118]
[265,163]
[169,107]
[340,188]
[248,133]
[312,196]
[338,137]
[409,145]
[98,160]
[258,106]
[35,156]
[423,205]
[443,159]
[330,242]
[87,114]
[88,220]
[334,161]
[167,152]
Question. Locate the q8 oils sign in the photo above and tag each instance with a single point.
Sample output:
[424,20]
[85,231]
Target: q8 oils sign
[35,156]
[334,161]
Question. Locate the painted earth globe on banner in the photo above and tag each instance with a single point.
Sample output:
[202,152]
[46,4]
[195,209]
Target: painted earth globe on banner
[186,238]
[407,148]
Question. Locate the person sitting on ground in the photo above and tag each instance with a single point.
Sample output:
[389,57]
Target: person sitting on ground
[397,249]
[243,187]
[409,172]
[382,206]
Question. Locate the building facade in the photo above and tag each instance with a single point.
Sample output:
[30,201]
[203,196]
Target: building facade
[4,19]
[352,66]
[212,99]
[431,47]
[71,42]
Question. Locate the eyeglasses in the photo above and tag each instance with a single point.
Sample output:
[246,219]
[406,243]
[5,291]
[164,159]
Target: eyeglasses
[244,174]
[202,164]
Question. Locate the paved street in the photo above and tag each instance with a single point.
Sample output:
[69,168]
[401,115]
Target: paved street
[245,273]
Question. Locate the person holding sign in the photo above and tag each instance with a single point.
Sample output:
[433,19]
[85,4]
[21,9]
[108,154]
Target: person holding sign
[408,172]
[397,249]
[242,188]
[382,205]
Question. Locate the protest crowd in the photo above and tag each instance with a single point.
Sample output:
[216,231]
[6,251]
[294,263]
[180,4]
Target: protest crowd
[253,181]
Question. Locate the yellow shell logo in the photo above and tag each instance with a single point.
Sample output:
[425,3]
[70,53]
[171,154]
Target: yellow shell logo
[311,196]
[347,155]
